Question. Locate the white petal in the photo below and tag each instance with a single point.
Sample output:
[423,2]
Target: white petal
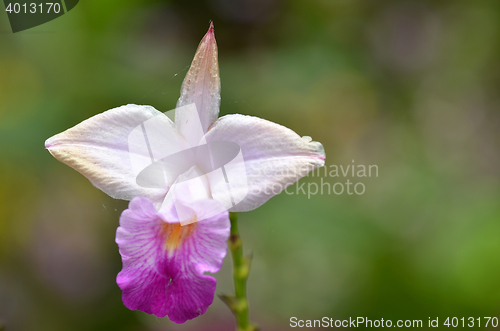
[202,84]
[274,156]
[189,124]
[109,150]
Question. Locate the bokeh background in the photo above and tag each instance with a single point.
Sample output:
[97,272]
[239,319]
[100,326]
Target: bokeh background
[409,86]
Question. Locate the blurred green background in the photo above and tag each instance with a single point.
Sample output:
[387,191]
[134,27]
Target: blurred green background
[409,86]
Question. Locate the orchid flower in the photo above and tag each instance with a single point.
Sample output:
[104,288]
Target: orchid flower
[169,237]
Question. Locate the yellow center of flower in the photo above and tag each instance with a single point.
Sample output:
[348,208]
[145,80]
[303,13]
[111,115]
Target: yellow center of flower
[175,234]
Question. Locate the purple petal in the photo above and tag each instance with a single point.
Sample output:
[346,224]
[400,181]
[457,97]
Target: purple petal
[274,156]
[164,262]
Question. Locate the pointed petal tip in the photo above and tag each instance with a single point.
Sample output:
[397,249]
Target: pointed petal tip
[49,143]
[211,30]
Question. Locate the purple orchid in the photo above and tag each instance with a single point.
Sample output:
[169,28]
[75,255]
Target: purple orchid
[164,260]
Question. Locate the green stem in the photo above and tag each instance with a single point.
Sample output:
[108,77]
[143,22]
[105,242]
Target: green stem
[241,267]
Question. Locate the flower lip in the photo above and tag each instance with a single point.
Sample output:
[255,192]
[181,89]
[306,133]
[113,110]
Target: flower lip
[164,263]
[175,234]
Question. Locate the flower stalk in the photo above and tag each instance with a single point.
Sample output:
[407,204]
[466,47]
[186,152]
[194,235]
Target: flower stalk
[241,268]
